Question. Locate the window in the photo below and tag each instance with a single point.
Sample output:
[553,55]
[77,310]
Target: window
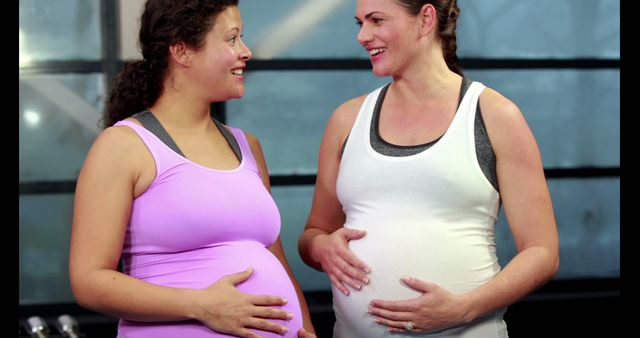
[546,56]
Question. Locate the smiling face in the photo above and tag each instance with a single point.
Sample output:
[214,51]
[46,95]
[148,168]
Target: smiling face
[389,34]
[220,63]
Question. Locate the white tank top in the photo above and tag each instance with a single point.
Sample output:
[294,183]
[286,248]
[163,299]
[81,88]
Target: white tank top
[430,215]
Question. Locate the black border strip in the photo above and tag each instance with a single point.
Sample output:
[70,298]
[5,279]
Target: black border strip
[584,63]
[57,67]
[68,187]
[111,65]
[465,63]
[288,180]
[47,187]
[584,172]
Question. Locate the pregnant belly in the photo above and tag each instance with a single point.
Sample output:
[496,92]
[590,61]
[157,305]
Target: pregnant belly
[200,268]
[458,261]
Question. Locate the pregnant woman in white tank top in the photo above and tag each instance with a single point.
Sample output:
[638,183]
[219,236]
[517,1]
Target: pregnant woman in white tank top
[407,237]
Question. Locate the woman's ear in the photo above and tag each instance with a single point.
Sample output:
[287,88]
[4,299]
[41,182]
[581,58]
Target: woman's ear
[180,53]
[428,19]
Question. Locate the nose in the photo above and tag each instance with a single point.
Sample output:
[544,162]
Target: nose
[364,36]
[245,54]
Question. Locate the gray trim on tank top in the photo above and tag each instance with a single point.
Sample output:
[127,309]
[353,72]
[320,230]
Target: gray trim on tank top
[484,151]
[152,124]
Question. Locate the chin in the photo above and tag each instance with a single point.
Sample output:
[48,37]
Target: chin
[380,72]
[238,94]
[235,94]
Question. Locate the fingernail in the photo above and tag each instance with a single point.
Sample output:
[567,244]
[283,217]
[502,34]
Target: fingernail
[284,300]
[365,280]
[358,286]
[289,316]
[406,278]
[367,270]
[284,330]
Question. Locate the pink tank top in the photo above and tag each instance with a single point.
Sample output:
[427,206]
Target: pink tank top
[195,225]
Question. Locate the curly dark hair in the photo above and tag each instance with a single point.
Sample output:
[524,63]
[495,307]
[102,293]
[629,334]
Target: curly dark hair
[448,13]
[163,23]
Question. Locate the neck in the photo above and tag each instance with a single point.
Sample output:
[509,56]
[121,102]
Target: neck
[183,104]
[417,89]
[426,77]
[181,112]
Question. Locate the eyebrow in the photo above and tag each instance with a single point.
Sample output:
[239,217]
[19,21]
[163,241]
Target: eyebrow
[366,16]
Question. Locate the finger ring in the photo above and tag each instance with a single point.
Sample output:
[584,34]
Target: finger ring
[408,326]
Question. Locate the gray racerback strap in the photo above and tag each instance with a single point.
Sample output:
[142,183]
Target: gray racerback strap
[230,138]
[151,123]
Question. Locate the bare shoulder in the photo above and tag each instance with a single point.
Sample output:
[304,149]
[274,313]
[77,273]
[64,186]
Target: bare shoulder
[121,138]
[342,121]
[501,115]
[345,115]
[349,109]
[118,146]
[256,148]
[496,107]
[254,142]
[506,125]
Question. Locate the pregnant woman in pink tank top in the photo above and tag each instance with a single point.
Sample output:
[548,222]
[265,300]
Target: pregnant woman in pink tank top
[180,198]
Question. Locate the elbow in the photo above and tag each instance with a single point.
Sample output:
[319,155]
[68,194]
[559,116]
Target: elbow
[555,267]
[83,292]
[302,247]
[81,296]
[552,266]
[305,249]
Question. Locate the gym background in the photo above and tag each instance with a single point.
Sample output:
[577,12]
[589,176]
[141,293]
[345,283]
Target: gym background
[559,60]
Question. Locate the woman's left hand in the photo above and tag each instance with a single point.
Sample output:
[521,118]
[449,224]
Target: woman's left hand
[302,333]
[435,309]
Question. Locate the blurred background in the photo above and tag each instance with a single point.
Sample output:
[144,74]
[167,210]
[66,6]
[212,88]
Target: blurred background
[558,60]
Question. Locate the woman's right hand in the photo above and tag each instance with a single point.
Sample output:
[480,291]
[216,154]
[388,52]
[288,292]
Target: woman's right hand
[342,266]
[227,310]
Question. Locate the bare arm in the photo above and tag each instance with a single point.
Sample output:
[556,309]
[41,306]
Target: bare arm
[116,169]
[323,243]
[326,215]
[276,248]
[102,207]
[527,205]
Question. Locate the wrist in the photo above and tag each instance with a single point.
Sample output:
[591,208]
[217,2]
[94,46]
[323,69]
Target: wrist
[467,308]
[192,309]
[315,248]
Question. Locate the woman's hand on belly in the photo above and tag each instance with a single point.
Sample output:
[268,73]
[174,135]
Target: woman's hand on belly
[342,266]
[434,310]
[223,308]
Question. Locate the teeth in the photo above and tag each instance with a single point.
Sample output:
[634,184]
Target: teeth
[237,71]
[376,51]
